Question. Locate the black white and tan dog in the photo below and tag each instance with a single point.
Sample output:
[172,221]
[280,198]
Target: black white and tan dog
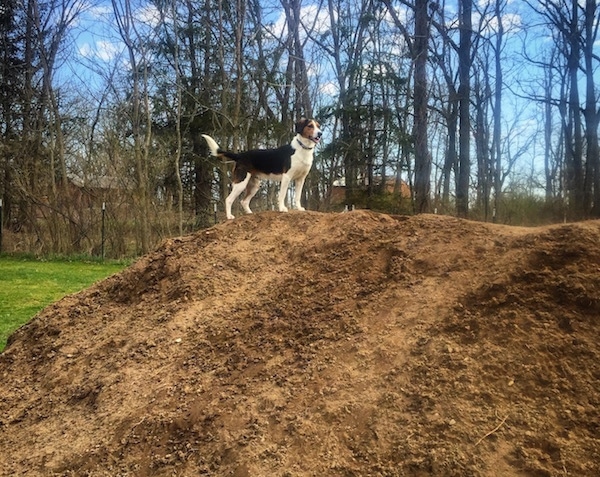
[291,162]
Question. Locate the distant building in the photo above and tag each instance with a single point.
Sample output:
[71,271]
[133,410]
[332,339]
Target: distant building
[91,191]
[337,196]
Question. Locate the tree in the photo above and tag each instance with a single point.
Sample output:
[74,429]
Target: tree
[346,48]
[591,111]
[574,26]
[422,157]
[11,76]
[498,97]
[33,113]
[173,51]
[443,53]
[139,114]
[464,93]
[419,47]
[299,79]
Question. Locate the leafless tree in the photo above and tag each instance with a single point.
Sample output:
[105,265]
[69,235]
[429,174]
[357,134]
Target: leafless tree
[464,94]
[140,114]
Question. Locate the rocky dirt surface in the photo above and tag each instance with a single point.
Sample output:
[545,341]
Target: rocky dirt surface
[309,344]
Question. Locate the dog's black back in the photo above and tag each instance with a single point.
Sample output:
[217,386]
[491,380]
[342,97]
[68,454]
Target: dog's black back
[266,161]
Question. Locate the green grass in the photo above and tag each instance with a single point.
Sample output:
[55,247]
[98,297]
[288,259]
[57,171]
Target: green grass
[28,285]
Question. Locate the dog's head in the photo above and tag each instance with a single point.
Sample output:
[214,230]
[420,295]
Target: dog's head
[309,129]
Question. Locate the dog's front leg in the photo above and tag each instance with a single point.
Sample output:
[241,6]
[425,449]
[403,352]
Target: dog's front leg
[298,193]
[285,183]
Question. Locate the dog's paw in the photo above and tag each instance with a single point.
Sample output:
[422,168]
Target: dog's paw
[300,208]
[283,208]
[231,217]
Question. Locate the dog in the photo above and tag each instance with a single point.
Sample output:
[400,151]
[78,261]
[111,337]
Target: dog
[291,162]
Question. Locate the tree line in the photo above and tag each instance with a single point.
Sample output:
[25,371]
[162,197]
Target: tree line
[485,109]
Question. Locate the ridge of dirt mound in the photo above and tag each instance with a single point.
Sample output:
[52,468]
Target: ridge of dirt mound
[307,344]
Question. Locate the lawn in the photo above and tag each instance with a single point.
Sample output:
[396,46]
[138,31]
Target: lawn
[27,286]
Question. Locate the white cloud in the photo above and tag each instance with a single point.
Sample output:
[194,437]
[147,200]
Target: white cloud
[314,19]
[100,11]
[149,15]
[106,50]
[329,88]
[510,21]
[101,50]
[85,50]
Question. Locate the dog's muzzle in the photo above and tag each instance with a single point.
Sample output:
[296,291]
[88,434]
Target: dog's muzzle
[316,139]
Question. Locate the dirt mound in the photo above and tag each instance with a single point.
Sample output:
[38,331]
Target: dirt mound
[309,344]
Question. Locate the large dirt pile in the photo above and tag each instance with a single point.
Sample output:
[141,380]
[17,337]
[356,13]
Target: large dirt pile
[309,344]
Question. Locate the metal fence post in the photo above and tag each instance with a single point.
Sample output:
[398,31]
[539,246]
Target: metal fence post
[1,224]
[103,230]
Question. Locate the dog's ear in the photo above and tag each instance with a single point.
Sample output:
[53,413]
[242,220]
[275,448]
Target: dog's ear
[301,124]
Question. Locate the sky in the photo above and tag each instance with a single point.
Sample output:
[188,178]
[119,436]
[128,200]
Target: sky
[96,37]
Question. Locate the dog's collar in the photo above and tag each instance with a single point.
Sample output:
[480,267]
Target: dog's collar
[303,146]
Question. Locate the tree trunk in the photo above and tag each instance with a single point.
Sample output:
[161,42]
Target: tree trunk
[422,156]
[496,140]
[548,82]
[576,170]
[464,92]
[591,113]
[178,118]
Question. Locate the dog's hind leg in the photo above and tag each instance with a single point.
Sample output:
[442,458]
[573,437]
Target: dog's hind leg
[236,190]
[251,190]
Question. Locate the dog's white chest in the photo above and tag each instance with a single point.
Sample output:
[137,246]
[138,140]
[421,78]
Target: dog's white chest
[302,160]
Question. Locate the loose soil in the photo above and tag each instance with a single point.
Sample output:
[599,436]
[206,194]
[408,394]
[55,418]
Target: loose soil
[309,344]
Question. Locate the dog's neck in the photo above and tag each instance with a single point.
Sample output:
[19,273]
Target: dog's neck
[304,146]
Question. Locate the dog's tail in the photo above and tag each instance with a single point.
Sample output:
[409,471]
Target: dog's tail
[215,150]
